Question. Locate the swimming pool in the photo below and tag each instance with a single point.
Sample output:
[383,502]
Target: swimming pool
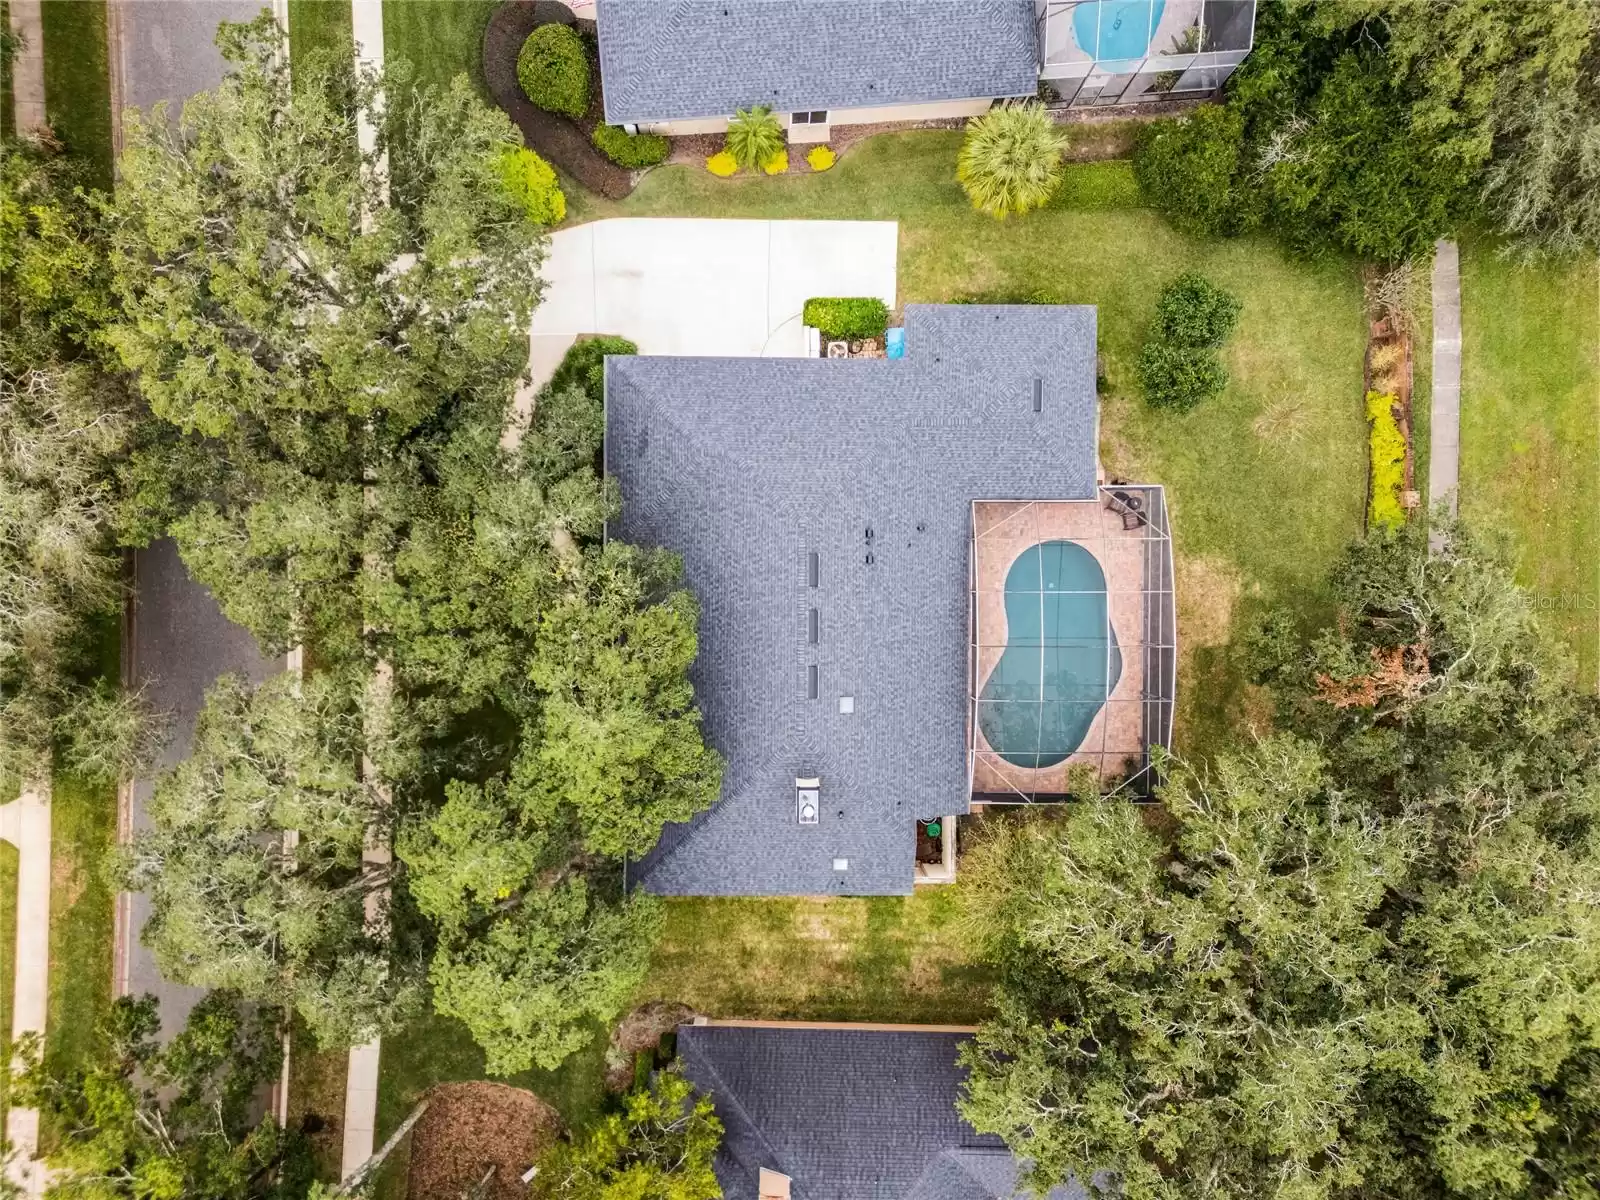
[1061,659]
[1115,31]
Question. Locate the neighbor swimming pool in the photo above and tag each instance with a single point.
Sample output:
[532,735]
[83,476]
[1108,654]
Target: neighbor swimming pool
[1114,31]
[1060,661]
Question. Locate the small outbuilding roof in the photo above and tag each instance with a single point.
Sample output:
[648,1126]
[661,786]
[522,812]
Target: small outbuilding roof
[666,60]
[823,511]
[847,1113]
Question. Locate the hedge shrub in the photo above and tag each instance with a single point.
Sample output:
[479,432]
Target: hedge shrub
[777,164]
[1388,448]
[1193,170]
[1193,311]
[722,164]
[584,364]
[532,183]
[847,316]
[631,150]
[1179,377]
[820,158]
[1097,186]
[553,69]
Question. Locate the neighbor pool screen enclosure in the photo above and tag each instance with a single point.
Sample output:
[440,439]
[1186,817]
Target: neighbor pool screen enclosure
[1100,52]
[1073,647]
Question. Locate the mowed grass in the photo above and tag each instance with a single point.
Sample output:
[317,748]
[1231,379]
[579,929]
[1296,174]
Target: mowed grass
[1265,484]
[891,958]
[77,82]
[1530,430]
[317,25]
[83,835]
[439,38]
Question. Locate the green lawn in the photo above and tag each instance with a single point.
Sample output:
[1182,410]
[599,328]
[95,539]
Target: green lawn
[315,24]
[439,38]
[316,1089]
[1530,430]
[77,81]
[83,834]
[893,958]
[1265,485]
[8,963]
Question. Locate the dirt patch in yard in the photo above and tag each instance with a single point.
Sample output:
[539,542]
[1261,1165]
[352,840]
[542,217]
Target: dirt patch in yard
[470,1127]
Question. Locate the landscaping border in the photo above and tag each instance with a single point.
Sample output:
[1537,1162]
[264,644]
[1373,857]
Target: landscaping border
[550,135]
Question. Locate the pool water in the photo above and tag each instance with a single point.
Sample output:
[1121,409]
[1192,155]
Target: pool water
[1061,659]
[1116,30]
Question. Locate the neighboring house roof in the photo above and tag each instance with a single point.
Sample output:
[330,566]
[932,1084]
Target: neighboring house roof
[847,1114]
[675,59]
[745,466]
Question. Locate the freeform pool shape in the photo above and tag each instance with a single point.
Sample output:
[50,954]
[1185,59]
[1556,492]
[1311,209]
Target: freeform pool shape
[1061,659]
[1114,31]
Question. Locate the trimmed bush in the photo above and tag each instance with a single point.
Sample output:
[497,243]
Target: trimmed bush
[1006,296]
[754,136]
[777,164]
[821,158]
[1179,377]
[722,164]
[847,316]
[632,150]
[1192,169]
[1388,449]
[553,69]
[533,185]
[1010,160]
[584,364]
[1193,311]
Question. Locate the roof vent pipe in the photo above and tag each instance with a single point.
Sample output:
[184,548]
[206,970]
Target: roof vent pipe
[1038,395]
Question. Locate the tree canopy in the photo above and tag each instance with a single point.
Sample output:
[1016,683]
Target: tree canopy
[1356,958]
[659,1147]
[1377,126]
[138,1120]
[253,860]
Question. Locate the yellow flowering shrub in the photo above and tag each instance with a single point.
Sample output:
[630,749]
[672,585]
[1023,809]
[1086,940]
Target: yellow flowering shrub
[821,158]
[722,164]
[1388,447]
[777,164]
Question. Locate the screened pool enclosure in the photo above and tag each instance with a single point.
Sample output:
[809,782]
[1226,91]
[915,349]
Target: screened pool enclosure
[1102,52]
[1074,643]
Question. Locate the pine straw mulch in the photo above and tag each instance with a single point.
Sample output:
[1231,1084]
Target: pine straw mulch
[467,1127]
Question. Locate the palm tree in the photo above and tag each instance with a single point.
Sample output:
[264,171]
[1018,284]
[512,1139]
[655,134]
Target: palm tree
[1010,161]
[754,136]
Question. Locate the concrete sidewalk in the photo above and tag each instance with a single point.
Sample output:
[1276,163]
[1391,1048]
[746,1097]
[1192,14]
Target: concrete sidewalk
[1444,428]
[25,823]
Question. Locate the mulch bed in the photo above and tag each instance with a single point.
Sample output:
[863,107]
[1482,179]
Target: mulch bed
[469,1127]
[563,142]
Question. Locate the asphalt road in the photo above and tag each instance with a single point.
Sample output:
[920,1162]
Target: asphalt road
[179,641]
[167,48]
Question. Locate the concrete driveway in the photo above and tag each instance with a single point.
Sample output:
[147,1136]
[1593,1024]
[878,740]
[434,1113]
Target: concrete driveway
[708,287]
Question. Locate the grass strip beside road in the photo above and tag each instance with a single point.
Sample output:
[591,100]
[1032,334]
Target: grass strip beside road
[77,82]
[9,860]
[316,25]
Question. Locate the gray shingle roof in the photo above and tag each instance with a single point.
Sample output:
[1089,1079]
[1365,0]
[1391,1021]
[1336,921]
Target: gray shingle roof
[847,1114]
[674,59]
[745,466]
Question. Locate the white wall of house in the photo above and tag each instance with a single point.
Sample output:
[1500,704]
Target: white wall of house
[933,111]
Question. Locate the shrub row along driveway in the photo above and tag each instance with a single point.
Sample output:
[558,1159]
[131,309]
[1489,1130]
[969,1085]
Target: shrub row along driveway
[709,287]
